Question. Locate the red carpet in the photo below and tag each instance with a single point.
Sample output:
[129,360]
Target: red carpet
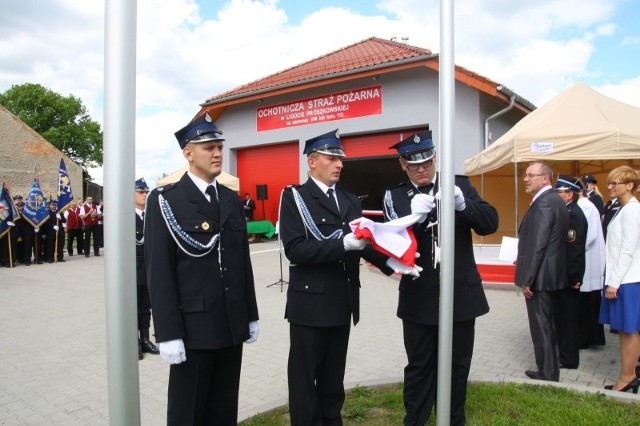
[499,274]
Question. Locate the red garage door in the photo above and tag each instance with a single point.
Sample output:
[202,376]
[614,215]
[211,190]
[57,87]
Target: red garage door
[275,166]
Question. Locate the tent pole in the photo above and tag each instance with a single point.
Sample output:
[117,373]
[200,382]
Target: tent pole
[515,183]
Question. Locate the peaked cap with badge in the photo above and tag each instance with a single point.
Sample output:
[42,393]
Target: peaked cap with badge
[141,185]
[568,183]
[200,130]
[327,143]
[417,148]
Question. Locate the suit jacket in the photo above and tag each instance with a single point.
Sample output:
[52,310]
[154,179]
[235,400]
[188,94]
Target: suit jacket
[324,280]
[207,303]
[576,244]
[249,206]
[542,246]
[419,299]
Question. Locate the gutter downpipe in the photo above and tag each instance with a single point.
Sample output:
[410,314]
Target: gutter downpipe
[512,102]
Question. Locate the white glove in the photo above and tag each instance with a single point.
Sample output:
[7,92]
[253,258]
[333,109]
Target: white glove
[422,204]
[56,227]
[254,330]
[58,216]
[36,230]
[460,204]
[173,351]
[400,268]
[11,223]
[351,242]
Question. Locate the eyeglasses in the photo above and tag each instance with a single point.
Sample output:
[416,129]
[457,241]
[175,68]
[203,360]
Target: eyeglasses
[415,167]
[531,175]
[616,183]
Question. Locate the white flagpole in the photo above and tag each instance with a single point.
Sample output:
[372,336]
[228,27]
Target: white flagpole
[119,162]
[447,218]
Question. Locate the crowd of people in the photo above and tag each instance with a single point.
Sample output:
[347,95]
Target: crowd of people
[74,228]
[574,279]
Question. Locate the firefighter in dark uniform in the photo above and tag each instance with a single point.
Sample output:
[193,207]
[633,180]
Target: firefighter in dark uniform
[418,305]
[54,230]
[145,345]
[568,299]
[200,281]
[324,283]
[25,235]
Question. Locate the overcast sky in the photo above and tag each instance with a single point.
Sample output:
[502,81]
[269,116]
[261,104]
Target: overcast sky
[190,50]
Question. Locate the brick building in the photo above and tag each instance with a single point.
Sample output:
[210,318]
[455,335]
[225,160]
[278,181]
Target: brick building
[22,151]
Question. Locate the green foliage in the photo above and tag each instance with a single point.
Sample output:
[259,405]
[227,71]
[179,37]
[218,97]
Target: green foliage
[63,121]
[488,404]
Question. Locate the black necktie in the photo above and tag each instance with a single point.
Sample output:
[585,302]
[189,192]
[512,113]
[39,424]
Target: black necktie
[330,195]
[213,199]
[425,188]
[142,216]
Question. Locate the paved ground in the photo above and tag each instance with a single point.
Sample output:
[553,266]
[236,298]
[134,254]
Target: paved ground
[53,354]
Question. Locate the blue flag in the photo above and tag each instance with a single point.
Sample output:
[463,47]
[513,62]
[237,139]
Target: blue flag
[35,206]
[65,195]
[8,212]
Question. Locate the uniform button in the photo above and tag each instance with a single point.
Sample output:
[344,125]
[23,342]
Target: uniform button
[324,220]
[306,287]
[226,289]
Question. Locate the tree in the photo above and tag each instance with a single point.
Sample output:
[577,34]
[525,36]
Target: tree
[63,121]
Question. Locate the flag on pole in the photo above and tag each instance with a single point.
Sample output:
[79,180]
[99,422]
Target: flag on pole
[65,195]
[8,212]
[35,206]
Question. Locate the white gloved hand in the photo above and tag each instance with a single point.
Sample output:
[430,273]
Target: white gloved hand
[400,268]
[422,204]
[36,230]
[254,330]
[58,216]
[56,227]
[351,242]
[460,203]
[173,351]
[11,223]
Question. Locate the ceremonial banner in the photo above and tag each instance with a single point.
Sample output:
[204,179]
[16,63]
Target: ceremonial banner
[65,195]
[35,206]
[8,212]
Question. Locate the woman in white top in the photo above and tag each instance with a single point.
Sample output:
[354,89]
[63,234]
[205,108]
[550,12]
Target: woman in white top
[621,302]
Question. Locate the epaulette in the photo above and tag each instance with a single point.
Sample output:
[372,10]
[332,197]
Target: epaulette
[292,185]
[166,187]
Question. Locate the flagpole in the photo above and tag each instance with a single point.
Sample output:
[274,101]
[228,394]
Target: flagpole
[119,167]
[55,247]
[9,245]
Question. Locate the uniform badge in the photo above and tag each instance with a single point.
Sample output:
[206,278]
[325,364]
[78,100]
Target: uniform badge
[416,139]
[205,226]
[571,235]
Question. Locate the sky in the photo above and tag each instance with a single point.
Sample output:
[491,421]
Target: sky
[188,50]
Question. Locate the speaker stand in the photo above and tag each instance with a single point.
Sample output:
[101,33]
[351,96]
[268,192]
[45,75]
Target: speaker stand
[281,281]
[262,209]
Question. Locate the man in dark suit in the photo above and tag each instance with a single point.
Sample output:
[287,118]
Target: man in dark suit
[249,206]
[145,345]
[201,282]
[418,304]
[541,266]
[324,282]
[54,230]
[568,304]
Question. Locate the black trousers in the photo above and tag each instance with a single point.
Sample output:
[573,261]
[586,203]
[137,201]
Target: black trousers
[203,390]
[421,372]
[567,317]
[90,230]
[75,234]
[317,361]
[591,332]
[541,311]
[54,246]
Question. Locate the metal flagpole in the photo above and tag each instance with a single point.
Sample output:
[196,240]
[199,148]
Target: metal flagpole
[119,162]
[447,217]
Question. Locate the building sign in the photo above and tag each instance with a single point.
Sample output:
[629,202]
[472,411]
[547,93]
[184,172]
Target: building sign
[331,107]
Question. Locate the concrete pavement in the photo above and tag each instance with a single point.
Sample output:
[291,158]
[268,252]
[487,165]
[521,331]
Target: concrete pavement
[53,353]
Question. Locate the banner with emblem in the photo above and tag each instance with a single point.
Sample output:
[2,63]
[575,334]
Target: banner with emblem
[8,212]
[35,206]
[65,195]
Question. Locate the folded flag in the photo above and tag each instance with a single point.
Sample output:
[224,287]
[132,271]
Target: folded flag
[394,238]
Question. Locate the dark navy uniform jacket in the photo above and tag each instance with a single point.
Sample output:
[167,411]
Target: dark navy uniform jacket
[576,243]
[324,280]
[207,303]
[419,298]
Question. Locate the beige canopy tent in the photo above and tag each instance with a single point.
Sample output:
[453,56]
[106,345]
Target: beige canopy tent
[580,124]
[225,179]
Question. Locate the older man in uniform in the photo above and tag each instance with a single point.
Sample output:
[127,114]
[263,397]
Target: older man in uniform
[568,303]
[419,299]
[200,280]
[145,345]
[324,282]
